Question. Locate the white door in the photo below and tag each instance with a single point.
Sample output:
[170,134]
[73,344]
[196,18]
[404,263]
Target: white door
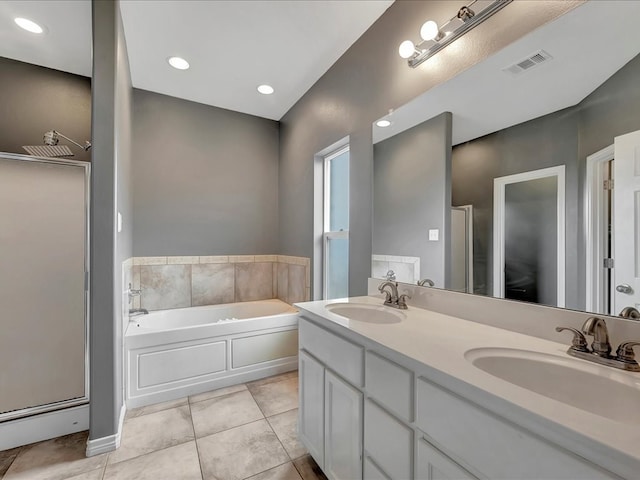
[343,430]
[311,414]
[433,465]
[626,218]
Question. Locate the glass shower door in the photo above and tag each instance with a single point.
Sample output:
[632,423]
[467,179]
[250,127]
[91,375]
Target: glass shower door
[43,260]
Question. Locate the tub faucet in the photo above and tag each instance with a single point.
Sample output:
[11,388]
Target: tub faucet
[134,312]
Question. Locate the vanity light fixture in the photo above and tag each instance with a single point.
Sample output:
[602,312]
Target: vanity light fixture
[435,38]
[265,89]
[28,25]
[178,63]
[383,123]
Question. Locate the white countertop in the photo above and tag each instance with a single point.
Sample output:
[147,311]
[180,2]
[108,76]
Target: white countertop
[440,342]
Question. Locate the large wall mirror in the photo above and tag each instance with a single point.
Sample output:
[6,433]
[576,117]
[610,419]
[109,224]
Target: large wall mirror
[518,177]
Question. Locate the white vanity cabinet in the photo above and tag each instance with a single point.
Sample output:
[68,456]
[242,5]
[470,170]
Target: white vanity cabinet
[330,416]
[368,413]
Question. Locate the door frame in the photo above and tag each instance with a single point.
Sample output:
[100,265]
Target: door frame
[468,210]
[594,229]
[499,185]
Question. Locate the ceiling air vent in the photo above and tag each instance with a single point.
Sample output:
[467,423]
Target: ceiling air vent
[528,63]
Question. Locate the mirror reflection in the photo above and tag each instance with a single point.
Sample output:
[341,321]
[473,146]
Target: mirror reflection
[499,182]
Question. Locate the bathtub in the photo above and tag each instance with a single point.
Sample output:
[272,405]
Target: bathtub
[170,354]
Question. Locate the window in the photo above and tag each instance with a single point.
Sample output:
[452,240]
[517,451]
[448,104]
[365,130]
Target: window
[336,224]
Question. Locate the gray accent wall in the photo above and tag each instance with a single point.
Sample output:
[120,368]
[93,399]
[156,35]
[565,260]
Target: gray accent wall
[368,80]
[205,179]
[111,136]
[412,194]
[36,99]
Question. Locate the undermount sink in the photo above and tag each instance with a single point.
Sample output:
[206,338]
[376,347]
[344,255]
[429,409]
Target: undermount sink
[364,312]
[594,388]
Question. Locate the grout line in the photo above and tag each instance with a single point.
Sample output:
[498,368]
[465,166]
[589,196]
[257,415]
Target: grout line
[195,439]
[271,468]
[104,468]
[219,396]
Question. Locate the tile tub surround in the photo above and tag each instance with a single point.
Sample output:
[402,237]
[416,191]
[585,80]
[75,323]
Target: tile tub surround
[185,281]
[193,438]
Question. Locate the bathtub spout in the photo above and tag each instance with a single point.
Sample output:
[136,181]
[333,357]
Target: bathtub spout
[134,312]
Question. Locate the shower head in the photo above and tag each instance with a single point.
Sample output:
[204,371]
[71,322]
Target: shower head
[51,148]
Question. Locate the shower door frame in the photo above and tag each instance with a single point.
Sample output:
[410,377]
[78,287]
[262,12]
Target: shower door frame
[74,402]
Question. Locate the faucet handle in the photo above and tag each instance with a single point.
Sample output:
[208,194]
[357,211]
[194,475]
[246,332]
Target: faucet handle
[579,342]
[402,301]
[625,352]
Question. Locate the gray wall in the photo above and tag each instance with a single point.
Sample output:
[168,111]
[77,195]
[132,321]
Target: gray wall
[205,179]
[565,137]
[36,99]
[110,174]
[368,80]
[410,196]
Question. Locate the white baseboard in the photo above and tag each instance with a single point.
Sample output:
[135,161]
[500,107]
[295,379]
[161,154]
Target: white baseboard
[109,443]
[44,426]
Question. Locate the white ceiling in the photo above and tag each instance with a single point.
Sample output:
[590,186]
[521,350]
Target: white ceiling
[588,45]
[66,43]
[232,46]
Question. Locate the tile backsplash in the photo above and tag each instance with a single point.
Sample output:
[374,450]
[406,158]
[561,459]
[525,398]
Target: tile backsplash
[185,281]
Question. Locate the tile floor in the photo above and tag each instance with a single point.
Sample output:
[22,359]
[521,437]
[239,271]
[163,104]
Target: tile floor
[241,432]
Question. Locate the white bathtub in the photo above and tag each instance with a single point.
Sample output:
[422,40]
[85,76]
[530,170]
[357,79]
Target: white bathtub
[174,353]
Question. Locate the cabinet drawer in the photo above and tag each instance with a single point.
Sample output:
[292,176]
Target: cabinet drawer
[388,442]
[390,385]
[482,442]
[340,355]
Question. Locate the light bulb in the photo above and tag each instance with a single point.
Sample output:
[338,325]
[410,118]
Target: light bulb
[383,123]
[406,49]
[429,30]
[178,62]
[265,89]
[28,25]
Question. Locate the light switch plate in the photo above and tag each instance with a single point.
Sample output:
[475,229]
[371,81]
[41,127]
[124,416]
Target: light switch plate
[434,235]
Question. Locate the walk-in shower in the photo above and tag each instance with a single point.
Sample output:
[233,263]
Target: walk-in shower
[44,212]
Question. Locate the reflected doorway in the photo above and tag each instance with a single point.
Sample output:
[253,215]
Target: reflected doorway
[529,231]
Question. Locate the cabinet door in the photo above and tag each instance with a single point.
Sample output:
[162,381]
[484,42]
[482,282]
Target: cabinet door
[343,430]
[433,465]
[311,413]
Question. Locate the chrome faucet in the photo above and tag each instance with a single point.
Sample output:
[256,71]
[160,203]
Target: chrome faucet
[600,351]
[392,299]
[134,312]
[425,281]
[631,313]
[390,276]
[132,292]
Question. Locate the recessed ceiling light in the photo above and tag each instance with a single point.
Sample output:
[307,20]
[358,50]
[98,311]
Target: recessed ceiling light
[178,62]
[265,89]
[383,123]
[28,25]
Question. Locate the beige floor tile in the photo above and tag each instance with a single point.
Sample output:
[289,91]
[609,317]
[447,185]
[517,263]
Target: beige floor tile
[92,475]
[308,468]
[240,452]
[152,432]
[158,407]
[6,459]
[276,397]
[283,472]
[273,379]
[217,393]
[222,413]
[174,463]
[55,459]
[285,426]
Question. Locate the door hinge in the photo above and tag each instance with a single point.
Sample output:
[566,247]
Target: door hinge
[608,263]
[608,184]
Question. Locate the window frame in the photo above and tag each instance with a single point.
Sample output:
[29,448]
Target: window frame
[328,234]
